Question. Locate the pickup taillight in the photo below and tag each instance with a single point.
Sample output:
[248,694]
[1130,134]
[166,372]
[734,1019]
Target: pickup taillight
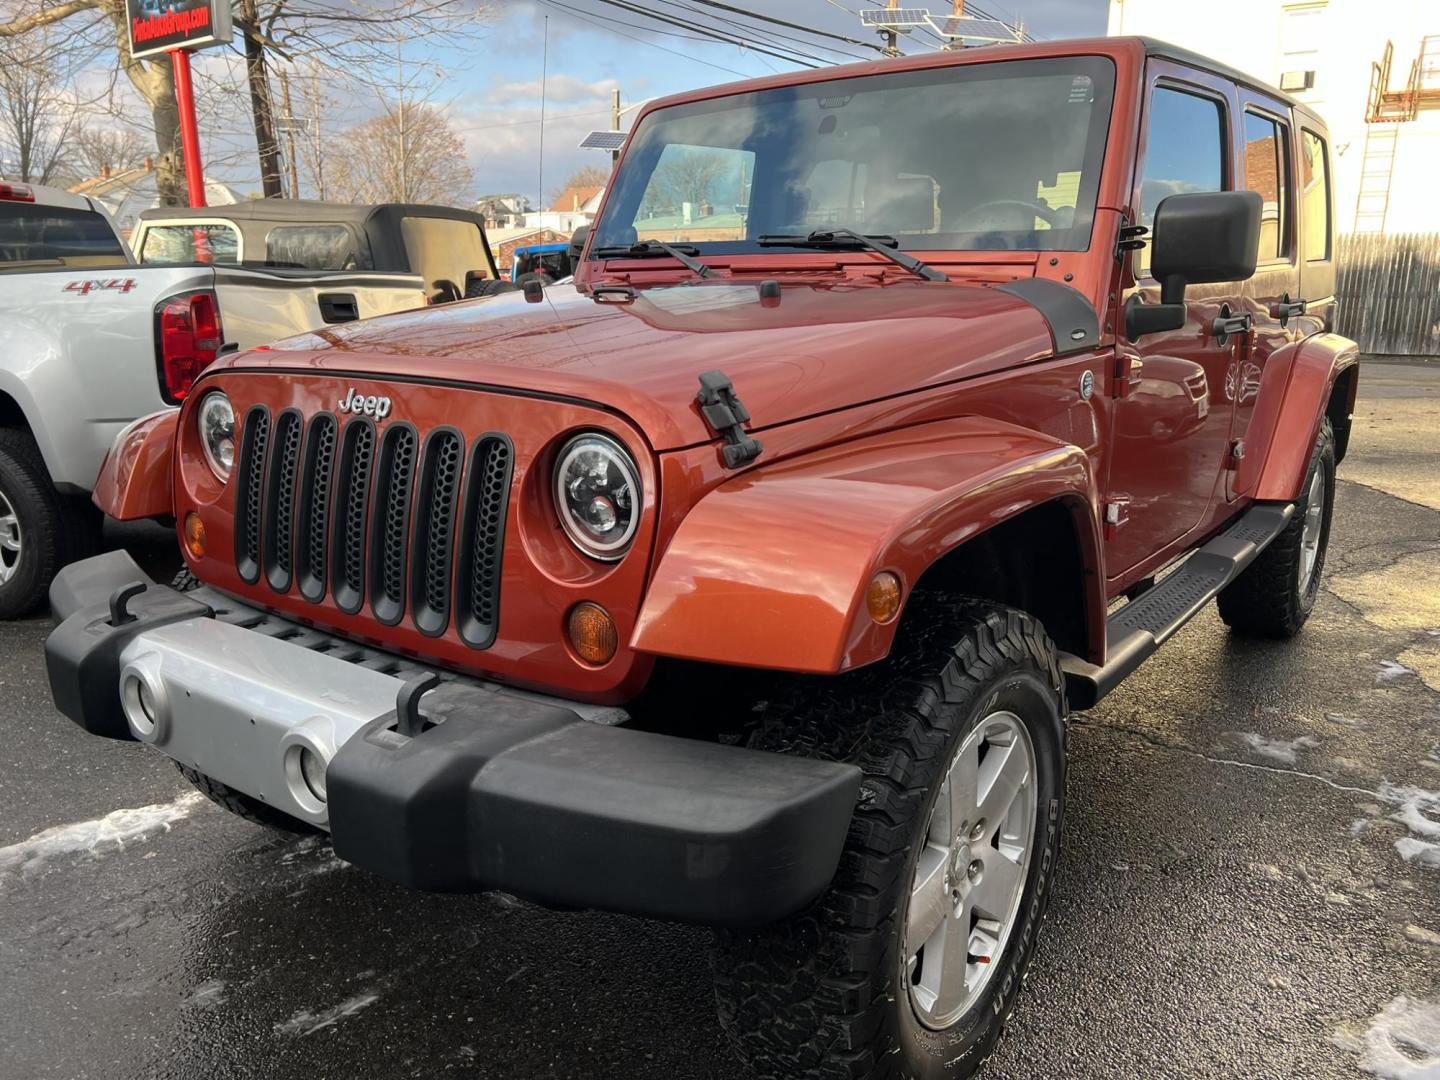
[16,193]
[187,340]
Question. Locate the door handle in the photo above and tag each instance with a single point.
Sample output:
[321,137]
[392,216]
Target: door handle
[1226,324]
[1285,309]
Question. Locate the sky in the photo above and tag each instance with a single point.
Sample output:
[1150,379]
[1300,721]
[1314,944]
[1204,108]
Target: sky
[491,88]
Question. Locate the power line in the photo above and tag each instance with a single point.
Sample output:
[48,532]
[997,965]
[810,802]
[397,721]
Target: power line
[769,38]
[717,35]
[601,21]
[789,25]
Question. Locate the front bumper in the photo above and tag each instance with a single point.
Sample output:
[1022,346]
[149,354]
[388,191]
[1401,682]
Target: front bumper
[498,789]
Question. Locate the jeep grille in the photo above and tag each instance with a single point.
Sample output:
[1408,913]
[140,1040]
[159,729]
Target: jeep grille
[378,520]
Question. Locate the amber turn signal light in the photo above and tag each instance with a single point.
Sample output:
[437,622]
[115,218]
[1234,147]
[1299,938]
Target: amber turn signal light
[592,633]
[882,597]
[194,535]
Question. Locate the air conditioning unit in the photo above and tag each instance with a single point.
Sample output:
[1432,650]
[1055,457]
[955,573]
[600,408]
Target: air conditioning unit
[1291,81]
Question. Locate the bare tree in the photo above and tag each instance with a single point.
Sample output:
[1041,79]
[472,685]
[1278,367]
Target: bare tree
[690,176]
[409,153]
[37,114]
[352,40]
[98,149]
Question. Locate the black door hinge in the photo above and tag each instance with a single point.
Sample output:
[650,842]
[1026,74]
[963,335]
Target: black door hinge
[723,412]
[1131,239]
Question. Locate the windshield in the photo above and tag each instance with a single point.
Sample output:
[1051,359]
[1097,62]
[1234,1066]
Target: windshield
[974,157]
[56,236]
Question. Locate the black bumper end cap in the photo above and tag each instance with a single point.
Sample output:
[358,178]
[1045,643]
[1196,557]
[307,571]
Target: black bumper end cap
[519,795]
[82,654]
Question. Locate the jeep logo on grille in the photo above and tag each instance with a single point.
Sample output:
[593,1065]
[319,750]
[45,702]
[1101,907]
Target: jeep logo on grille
[360,405]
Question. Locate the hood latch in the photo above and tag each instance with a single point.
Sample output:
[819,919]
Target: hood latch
[723,412]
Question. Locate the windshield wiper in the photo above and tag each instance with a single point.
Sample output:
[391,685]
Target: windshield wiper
[647,248]
[887,246]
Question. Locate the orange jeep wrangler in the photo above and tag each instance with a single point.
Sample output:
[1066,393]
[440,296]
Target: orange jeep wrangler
[895,410]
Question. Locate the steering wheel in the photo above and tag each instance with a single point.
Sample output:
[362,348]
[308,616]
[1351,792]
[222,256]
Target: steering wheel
[1005,215]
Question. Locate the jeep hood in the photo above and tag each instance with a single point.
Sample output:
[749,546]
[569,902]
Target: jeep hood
[815,349]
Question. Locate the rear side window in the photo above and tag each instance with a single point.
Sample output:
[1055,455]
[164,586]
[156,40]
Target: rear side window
[58,235]
[1184,150]
[314,247]
[210,242]
[1266,173]
[1315,196]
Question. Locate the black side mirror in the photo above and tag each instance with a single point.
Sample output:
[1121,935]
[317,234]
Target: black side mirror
[1197,238]
[577,242]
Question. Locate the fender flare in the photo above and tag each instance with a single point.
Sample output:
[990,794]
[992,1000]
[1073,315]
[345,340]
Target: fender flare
[770,569]
[1294,393]
[137,476]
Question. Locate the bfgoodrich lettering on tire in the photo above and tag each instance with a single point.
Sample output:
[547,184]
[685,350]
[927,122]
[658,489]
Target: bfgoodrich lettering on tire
[910,964]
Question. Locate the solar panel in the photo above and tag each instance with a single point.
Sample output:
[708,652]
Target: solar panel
[894,18]
[975,29]
[604,140]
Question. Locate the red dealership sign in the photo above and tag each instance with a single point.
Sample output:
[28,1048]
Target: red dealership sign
[158,26]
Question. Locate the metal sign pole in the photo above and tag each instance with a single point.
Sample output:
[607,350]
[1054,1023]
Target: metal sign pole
[189,129]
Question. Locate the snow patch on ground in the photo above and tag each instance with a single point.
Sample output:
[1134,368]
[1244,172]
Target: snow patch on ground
[1402,1043]
[113,832]
[1390,671]
[306,1022]
[1418,851]
[1281,750]
[1419,811]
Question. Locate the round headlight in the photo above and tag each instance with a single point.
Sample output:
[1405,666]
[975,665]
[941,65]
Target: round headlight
[597,495]
[217,433]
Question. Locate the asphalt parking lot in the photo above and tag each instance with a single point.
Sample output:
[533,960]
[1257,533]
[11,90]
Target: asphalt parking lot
[1250,883]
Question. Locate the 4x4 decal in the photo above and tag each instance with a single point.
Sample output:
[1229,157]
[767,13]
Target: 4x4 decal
[86,287]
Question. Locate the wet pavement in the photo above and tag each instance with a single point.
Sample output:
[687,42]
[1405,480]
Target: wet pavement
[1249,885]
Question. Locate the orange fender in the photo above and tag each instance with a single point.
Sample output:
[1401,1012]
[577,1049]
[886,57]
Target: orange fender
[1293,396]
[135,479]
[770,569]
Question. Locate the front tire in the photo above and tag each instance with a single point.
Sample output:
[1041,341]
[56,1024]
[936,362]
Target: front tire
[910,964]
[40,529]
[1276,593]
[242,805]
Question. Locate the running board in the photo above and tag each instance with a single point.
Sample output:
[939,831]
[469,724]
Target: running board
[1147,622]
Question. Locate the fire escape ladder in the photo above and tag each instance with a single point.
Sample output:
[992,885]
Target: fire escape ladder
[1376,170]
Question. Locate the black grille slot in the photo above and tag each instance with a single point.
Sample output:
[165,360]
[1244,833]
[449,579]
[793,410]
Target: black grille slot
[487,498]
[352,496]
[314,529]
[249,485]
[390,523]
[435,531]
[280,501]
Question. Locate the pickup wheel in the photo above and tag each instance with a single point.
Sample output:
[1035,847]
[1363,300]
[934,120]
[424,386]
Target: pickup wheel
[910,964]
[41,530]
[1275,594]
[252,810]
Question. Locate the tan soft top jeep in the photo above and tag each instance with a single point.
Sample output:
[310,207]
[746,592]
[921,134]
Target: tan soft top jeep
[895,410]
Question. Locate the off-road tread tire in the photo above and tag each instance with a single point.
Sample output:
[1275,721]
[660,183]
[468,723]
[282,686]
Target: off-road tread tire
[1265,600]
[61,528]
[185,581]
[807,998]
[243,806]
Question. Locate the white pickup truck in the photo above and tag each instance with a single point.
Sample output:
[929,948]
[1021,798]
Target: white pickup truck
[90,341]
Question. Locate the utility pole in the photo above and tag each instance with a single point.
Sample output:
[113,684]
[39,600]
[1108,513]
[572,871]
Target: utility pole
[289,134]
[958,10]
[260,103]
[403,195]
[892,38]
[614,124]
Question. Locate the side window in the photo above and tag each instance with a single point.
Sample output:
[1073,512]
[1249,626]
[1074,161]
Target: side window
[311,247]
[182,244]
[1267,174]
[1315,196]
[1184,150]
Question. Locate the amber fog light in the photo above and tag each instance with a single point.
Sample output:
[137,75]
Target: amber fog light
[592,633]
[882,598]
[194,535]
